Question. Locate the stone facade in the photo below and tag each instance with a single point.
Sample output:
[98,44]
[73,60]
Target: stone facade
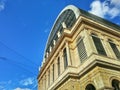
[85,66]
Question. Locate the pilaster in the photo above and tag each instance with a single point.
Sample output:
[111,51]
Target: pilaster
[93,48]
[87,43]
[51,74]
[61,62]
[68,54]
[56,69]
[108,48]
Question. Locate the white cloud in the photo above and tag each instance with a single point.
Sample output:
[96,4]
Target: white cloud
[114,12]
[28,81]
[18,88]
[4,84]
[96,8]
[2,88]
[109,8]
[115,2]
[2,5]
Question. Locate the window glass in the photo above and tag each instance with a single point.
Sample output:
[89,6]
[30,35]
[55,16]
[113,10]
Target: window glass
[98,45]
[90,87]
[115,49]
[116,84]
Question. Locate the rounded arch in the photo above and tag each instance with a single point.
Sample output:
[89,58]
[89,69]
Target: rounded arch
[94,34]
[89,82]
[115,82]
[73,8]
[66,18]
[90,87]
[110,40]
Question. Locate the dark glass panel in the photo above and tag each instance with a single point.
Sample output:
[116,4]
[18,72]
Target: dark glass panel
[90,87]
[115,49]
[116,84]
[98,45]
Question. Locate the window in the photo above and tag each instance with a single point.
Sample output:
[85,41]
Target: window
[114,48]
[116,84]
[98,45]
[90,87]
[81,50]
[53,72]
[58,66]
[65,58]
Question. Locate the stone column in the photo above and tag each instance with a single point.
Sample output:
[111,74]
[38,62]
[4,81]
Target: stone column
[46,79]
[108,48]
[51,75]
[68,54]
[93,48]
[45,82]
[40,86]
[43,86]
[61,62]
[56,69]
[87,43]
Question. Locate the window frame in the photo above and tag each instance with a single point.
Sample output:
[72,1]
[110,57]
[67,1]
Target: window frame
[83,52]
[98,44]
[114,48]
[115,81]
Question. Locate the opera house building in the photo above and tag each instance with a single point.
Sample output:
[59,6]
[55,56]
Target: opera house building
[82,53]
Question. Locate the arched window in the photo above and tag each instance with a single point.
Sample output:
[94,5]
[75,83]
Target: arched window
[114,48]
[90,87]
[116,84]
[98,44]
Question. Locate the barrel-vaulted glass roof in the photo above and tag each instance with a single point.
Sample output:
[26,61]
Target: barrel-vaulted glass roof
[67,18]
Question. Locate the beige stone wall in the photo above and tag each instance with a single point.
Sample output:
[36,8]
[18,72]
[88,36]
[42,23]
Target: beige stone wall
[71,84]
[100,77]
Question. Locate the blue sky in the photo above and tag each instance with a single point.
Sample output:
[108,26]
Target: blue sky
[24,29]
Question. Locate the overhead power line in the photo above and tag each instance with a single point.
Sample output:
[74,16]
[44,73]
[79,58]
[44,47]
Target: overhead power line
[17,53]
[18,64]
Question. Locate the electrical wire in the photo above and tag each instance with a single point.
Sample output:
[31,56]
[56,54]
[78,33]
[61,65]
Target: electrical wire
[17,64]
[19,54]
